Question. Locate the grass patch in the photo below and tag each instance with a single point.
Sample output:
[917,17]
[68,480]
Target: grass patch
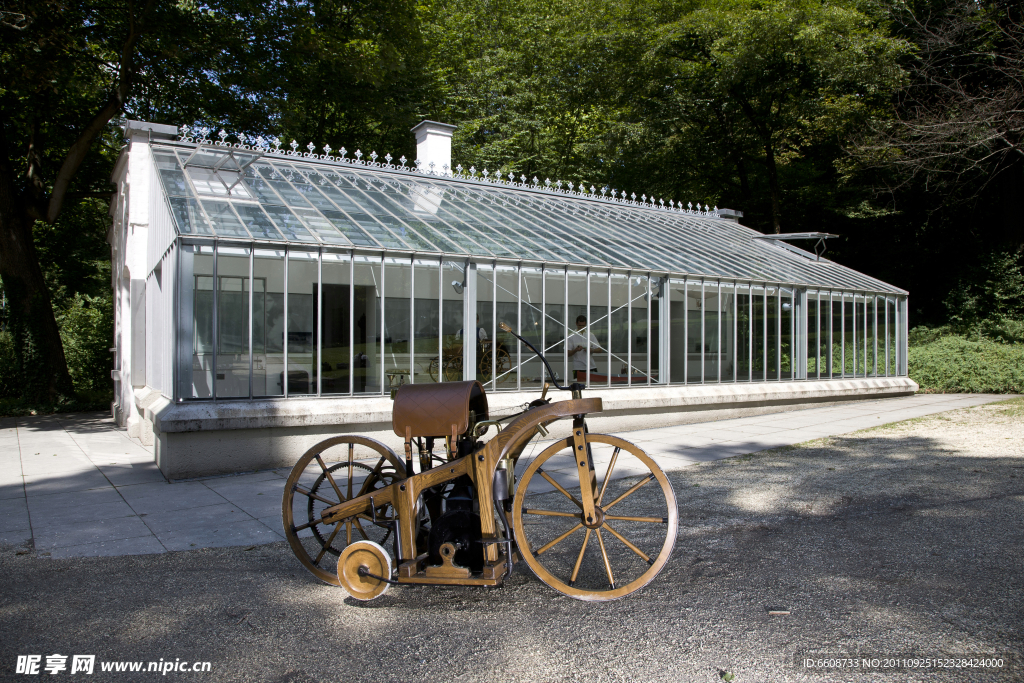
[1011,408]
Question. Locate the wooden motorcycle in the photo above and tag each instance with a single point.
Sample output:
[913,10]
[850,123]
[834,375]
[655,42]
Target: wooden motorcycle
[350,497]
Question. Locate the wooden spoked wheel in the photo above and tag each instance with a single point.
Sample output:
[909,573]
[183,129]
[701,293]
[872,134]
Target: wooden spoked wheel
[329,473]
[502,364]
[608,556]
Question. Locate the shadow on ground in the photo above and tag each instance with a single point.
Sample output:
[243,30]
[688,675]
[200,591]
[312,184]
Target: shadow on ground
[898,540]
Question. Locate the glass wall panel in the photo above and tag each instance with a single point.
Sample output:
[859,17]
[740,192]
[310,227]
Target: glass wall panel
[849,338]
[366,314]
[890,337]
[677,331]
[397,328]
[788,332]
[711,330]
[335,324]
[728,333]
[836,346]
[426,330]
[619,330]
[302,304]
[554,329]
[202,328]
[532,306]
[577,333]
[772,333]
[743,333]
[639,333]
[695,322]
[862,335]
[599,329]
[878,343]
[506,348]
[453,282]
[232,322]
[760,334]
[268,323]
[894,337]
[485,324]
[655,304]
[813,334]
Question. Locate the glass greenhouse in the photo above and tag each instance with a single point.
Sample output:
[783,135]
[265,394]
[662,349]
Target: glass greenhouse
[308,275]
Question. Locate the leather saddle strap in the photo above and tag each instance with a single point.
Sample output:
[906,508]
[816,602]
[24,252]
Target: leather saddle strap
[455,442]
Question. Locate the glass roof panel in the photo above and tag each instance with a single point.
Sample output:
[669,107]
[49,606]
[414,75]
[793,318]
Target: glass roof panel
[374,202]
[323,228]
[309,201]
[357,215]
[189,218]
[352,232]
[425,207]
[217,183]
[171,175]
[225,222]
[433,200]
[257,222]
[392,201]
[288,223]
[468,210]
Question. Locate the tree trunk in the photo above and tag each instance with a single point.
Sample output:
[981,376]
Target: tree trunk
[773,186]
[38,349]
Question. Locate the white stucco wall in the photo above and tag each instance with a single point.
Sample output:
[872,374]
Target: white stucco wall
[131,274]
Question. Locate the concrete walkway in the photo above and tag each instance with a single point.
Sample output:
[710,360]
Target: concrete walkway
[75,486]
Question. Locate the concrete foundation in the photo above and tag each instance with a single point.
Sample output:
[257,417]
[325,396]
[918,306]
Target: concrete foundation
[203,438]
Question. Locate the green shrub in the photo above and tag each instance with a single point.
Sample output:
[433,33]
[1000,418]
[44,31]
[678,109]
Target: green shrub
[9,380]
[954,364]
[86,328]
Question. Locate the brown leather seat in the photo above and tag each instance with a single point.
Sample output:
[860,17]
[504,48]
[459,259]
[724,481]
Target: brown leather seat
[438,409]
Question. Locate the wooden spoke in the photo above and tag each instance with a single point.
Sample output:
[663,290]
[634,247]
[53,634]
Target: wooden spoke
[330,539]
[309,524]
[558,540]
[579,560]
[360,527]
[608,476]
[607,564]
[636,487]
[652,520]
[371,477]
[559,487]
[351,459]
[327,473]
[315,496]
[629,545]
[549,513]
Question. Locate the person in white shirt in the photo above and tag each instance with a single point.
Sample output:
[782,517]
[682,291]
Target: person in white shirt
[577,344]
[481,332]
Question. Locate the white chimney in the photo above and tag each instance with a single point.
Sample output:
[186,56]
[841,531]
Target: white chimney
[434,144]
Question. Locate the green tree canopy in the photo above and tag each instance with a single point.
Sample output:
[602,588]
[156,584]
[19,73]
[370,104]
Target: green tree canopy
[756,85]
[68,68]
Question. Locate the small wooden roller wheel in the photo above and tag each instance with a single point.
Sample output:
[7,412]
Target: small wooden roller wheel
[362,570]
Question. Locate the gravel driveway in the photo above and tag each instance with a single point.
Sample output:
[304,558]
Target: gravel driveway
[905,539]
